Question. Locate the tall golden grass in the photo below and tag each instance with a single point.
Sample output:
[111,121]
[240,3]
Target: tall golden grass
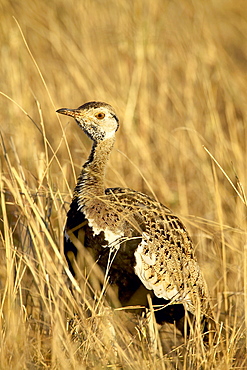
[176,73]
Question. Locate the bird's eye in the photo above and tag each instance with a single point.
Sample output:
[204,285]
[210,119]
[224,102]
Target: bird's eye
[100,115]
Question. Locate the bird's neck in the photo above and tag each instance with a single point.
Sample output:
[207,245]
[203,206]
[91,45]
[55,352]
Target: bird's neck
[91,180]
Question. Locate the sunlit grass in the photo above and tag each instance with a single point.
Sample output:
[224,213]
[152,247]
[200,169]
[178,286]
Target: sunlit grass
[175,72]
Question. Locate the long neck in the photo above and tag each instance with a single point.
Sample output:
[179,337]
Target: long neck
[91,180]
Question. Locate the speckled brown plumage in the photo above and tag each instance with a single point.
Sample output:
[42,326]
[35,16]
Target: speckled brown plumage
[151,246]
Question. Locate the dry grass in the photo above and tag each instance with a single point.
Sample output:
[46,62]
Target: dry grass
[176,73]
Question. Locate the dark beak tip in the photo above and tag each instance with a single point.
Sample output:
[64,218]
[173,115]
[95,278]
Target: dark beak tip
[61,110]
[67,112]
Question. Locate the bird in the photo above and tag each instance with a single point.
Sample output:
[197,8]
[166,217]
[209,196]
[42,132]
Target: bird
[140,244]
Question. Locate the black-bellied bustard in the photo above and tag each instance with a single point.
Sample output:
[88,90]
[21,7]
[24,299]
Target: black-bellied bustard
[152,249]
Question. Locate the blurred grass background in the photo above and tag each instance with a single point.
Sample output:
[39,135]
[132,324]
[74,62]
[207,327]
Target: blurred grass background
[175,71]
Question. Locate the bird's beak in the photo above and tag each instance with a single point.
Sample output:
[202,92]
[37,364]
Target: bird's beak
[69,112]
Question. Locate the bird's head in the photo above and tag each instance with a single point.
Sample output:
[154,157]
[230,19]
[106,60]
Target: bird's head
[98,120]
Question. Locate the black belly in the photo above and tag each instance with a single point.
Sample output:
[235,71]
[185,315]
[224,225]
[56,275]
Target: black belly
[121,272]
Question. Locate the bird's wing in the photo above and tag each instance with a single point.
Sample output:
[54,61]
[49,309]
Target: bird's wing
[165,263]
[165,259]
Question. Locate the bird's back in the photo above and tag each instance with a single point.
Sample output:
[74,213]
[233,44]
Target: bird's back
[151,244]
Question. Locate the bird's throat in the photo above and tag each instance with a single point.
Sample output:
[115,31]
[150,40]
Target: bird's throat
[91,180]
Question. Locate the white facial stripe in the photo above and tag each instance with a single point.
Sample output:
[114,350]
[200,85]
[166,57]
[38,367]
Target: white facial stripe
[110,134]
